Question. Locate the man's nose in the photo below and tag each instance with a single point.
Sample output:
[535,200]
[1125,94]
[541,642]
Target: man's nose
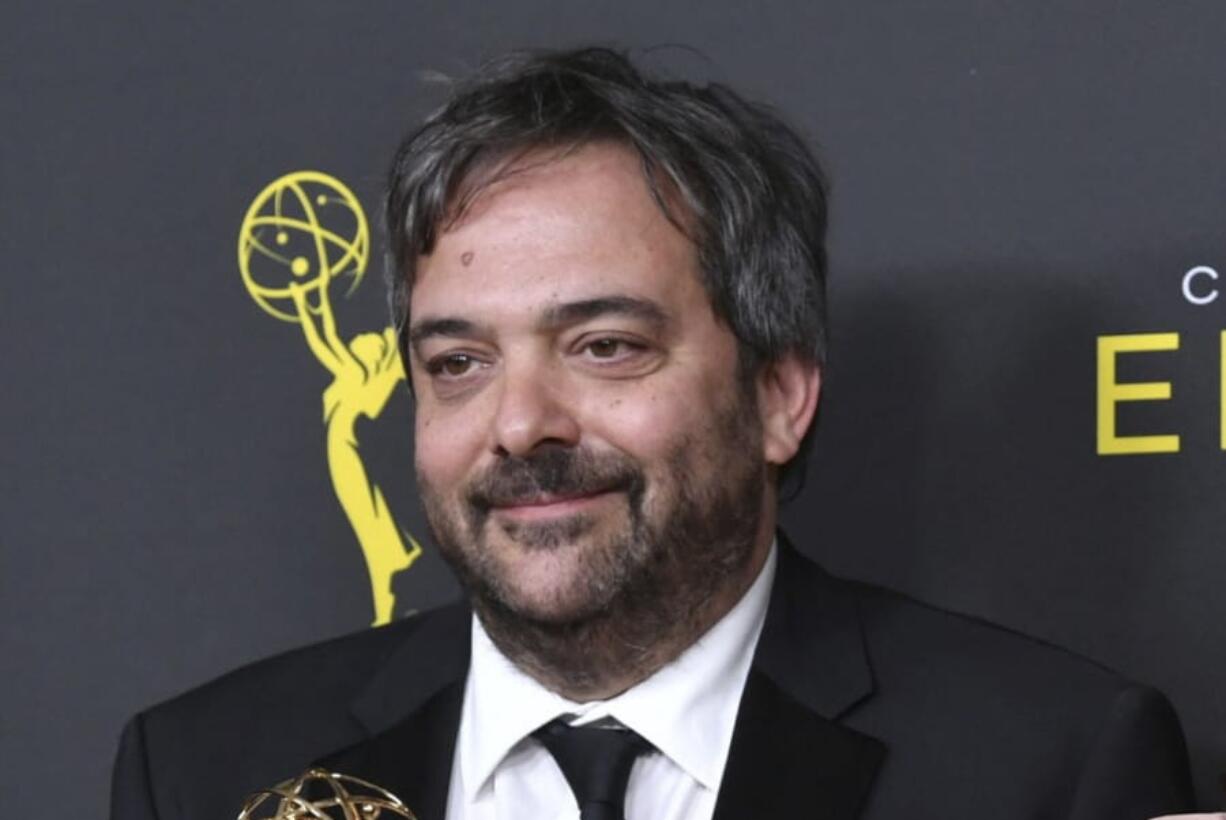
[533,409]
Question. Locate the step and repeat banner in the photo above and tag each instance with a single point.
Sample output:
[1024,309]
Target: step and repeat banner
[208,453]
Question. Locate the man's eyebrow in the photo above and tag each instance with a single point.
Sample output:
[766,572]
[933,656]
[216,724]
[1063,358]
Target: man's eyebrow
[553,316]
[429,327]
[574,312]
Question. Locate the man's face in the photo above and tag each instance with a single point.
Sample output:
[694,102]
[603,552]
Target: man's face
[583,438]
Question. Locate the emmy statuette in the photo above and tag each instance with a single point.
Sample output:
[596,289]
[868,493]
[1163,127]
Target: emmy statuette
[317,794]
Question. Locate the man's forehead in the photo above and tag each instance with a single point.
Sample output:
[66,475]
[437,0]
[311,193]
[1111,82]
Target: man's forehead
[570,237]
[559,174]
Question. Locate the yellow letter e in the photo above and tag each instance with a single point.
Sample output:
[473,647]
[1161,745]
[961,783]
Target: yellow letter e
[1111,392]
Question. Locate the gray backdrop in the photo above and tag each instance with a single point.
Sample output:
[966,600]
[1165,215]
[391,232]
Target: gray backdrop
[1011,181]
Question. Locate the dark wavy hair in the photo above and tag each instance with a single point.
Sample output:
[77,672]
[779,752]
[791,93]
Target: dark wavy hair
[727,172]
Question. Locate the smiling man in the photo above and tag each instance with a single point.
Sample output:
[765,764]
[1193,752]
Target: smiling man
[590,460]
[610,291]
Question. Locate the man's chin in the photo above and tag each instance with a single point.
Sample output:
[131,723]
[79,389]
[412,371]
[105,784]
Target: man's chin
[552,612]
[553,587]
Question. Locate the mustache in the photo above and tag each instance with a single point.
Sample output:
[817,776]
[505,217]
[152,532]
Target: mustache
[552,470]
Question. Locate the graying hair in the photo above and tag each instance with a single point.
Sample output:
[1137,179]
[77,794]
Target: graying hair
[729,173]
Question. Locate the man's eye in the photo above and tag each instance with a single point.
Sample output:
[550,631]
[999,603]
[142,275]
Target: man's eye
[454,365]
[610,348]
[604,348]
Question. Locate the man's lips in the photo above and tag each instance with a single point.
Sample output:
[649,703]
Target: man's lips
[549,505]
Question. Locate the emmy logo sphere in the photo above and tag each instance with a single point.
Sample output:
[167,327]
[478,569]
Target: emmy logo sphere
[303,230]
[321,795]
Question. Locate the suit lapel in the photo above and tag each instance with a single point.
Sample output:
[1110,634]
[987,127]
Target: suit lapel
[411,712]
[789,762]
[427,660]
[413,758]
[789,756]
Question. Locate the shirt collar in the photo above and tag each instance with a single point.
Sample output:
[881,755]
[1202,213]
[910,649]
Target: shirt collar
[687,709]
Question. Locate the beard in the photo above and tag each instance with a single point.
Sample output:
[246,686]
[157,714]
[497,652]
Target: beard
[635,585]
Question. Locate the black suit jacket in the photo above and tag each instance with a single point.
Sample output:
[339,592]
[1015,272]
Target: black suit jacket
[860,703]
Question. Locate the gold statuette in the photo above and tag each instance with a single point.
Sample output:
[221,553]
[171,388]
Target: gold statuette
[321,795]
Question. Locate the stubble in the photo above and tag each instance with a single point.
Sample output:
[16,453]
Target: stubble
[646,588]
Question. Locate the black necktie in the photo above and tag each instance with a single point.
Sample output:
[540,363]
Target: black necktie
[596,763]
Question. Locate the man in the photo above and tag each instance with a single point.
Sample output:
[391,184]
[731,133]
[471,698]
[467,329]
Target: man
[610,294]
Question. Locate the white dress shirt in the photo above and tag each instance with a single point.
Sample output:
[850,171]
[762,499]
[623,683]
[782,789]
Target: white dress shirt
[686,710]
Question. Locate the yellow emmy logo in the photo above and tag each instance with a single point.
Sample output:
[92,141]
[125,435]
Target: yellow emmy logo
[302,232]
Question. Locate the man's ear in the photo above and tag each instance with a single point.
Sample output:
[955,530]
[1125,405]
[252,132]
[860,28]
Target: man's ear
[788,390]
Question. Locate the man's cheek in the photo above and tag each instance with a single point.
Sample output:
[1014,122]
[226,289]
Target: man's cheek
[636,423]
[444,451]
